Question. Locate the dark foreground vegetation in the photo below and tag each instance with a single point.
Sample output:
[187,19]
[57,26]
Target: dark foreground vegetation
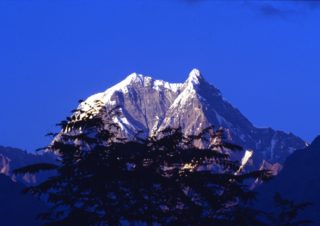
[102,178]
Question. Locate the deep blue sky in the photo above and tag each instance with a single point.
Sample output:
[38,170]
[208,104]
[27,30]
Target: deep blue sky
[263,56]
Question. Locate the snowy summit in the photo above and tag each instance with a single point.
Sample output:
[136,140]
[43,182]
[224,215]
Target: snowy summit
[151,105]
[195,76]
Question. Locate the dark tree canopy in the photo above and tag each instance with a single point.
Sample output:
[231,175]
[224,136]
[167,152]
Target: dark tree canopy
[104,179]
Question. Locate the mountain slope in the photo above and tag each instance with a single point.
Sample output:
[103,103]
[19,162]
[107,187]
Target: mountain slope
[299,180]
[17,209]
[13,158]
[150,105]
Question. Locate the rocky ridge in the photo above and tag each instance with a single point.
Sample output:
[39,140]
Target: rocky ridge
[150,105]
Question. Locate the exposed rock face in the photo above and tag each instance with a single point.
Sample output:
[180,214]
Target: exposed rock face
[150,105]
[13,158]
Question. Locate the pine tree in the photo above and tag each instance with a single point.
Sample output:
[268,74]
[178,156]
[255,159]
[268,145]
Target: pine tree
[104,179]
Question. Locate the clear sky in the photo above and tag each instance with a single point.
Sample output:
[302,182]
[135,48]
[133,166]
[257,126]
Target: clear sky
[263,56]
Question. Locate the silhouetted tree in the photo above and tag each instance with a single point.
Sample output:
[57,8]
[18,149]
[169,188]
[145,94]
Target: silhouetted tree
[104,179]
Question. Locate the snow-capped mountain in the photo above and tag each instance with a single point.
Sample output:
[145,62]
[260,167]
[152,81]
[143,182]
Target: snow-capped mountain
[151,105]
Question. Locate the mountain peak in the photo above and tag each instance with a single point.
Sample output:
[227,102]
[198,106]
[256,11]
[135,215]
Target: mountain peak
[195,76]
[133,77]
[150,105]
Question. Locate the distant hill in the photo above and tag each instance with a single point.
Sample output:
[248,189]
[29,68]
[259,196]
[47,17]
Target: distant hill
[299,181]
[12,158]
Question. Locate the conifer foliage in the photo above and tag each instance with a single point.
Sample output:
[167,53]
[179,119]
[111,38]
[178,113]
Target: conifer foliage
[104,179]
